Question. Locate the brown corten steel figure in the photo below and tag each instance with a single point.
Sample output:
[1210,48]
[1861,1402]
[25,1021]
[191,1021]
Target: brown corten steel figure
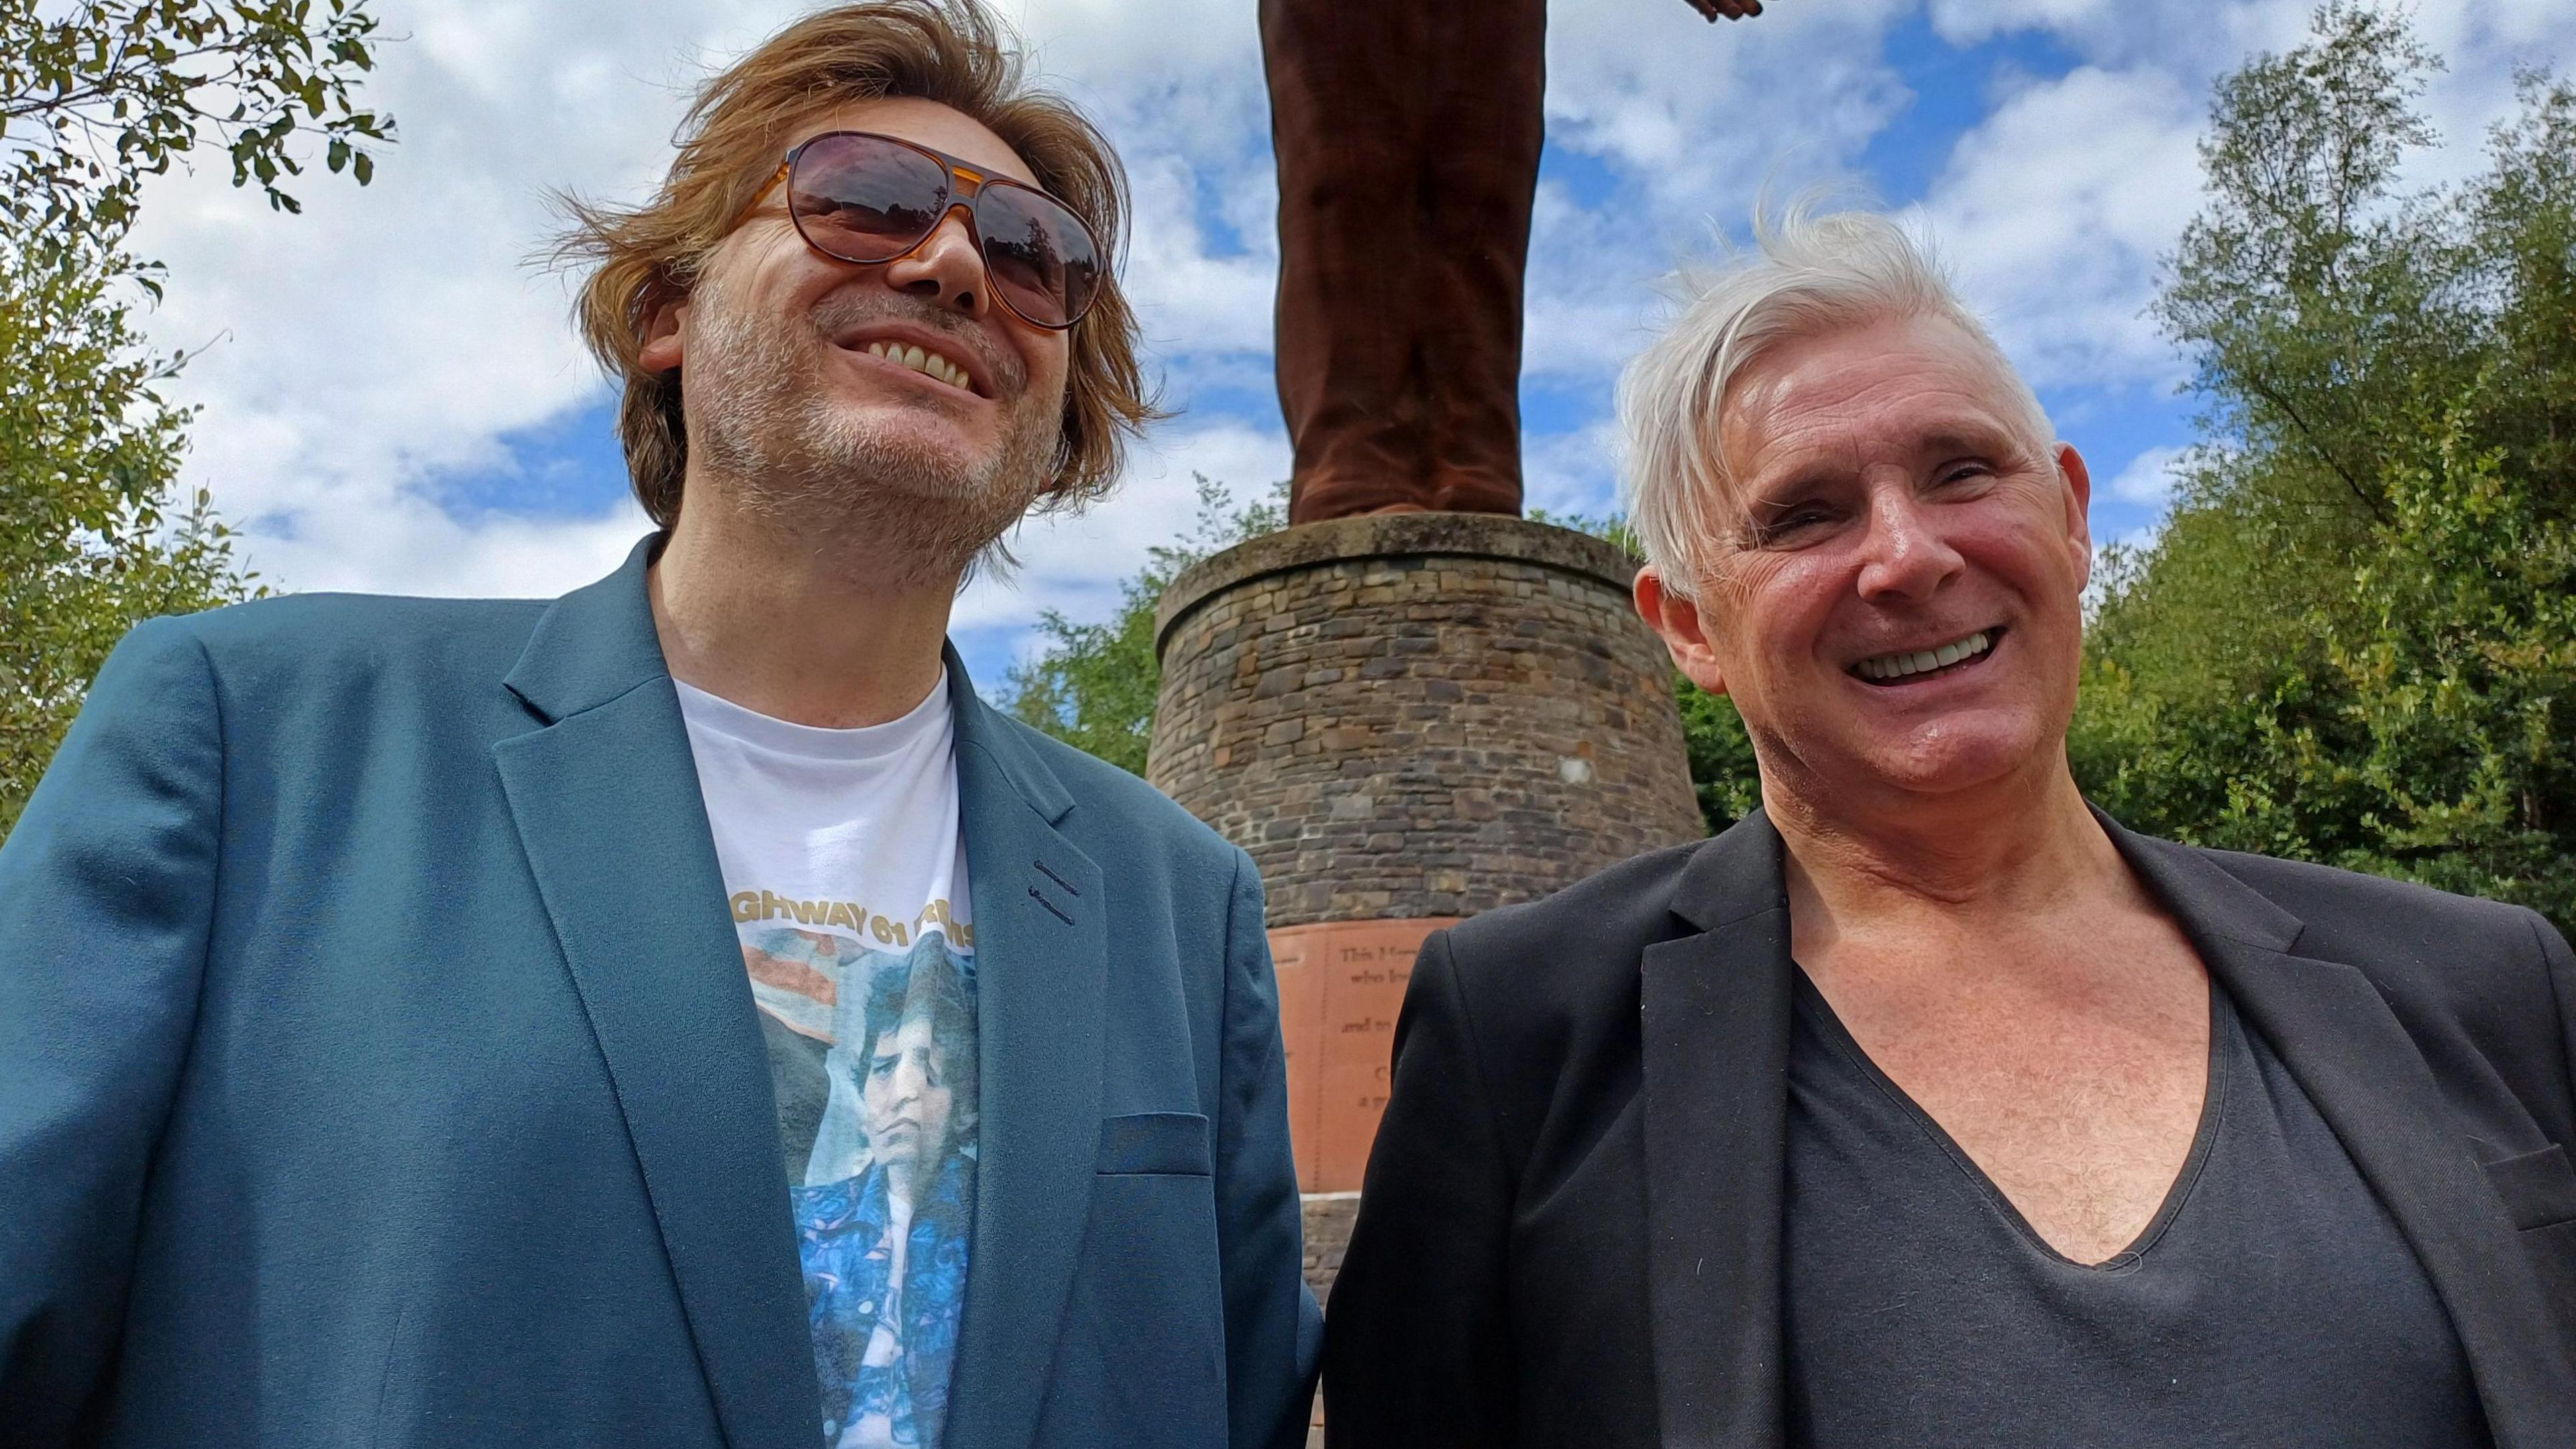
[1408,136]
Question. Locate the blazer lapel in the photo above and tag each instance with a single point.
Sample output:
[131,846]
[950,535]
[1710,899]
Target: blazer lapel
[605,797]
[1715,1032]
[2368,1080]
[1041,958]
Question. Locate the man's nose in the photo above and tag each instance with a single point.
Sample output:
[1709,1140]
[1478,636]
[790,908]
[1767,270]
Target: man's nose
[910,1077]
[946,268]
[1904,555]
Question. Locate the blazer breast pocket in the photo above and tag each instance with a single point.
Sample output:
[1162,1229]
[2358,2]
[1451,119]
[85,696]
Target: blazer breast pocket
[1170,1144]
[2538,1188]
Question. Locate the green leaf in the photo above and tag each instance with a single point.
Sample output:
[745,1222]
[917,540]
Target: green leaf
[2351,639]
[95,531]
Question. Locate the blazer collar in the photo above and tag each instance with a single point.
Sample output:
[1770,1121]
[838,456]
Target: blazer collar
[1005,742]
[598,642]
[1714,1035]
[2210,903]
[1715,1028]
[593,644]
[1740,872]
[2370,1081]
[1042,963]
[605,798]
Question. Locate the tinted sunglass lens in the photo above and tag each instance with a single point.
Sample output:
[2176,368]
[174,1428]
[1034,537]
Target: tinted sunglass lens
[1041,257]
[865,199]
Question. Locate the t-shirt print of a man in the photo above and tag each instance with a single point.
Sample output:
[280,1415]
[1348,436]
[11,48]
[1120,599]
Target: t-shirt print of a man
[884,1220]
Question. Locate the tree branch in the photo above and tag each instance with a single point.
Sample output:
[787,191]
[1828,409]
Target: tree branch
[2254,383]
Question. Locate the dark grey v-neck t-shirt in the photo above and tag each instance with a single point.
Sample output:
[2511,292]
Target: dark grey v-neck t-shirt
[2272,1300]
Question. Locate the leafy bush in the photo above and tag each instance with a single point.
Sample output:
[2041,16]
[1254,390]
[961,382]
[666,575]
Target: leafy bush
[2355,639]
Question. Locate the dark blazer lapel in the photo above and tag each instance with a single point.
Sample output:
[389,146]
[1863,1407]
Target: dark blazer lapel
[605,798]
[1041,960]
[2368,1080]
[1715,1025]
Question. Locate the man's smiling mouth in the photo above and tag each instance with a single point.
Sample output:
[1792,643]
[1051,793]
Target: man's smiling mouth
[1947,658]
[921,360]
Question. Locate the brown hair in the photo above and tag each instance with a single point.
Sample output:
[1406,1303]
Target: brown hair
[951,52]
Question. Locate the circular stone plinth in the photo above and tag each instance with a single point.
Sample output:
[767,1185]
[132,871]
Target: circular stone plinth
[1425,714]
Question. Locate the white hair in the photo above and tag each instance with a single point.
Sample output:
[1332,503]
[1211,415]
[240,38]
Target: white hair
[1808,274]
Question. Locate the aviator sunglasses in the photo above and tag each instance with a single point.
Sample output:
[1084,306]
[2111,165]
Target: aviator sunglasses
[860,197]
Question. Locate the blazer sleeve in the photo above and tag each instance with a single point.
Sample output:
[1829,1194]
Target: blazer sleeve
[2562,984]
[106,892]
[1272,1327]
[1417,1354]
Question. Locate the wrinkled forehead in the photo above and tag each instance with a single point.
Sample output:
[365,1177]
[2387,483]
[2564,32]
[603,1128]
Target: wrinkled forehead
[1887,391]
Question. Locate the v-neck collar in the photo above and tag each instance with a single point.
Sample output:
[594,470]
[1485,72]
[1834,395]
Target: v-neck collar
[2225,1050]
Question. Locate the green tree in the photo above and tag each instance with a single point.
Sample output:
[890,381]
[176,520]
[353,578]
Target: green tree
[1722,770]
[94,97]
[1093,685]
[2354,640]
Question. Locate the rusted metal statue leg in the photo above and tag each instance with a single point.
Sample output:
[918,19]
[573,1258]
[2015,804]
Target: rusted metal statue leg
[1408,141]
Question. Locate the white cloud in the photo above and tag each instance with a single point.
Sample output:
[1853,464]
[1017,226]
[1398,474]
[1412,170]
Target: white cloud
[1574,472]
[2053,212]
[428,551]
[1692,123]
[1187,300]
[1705,114]
[2149,479]
[2057,208]
[1966,22]
[2198,41]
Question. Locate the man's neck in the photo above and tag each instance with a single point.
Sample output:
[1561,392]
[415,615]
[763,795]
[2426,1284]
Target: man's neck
[798,629]
[2015,850]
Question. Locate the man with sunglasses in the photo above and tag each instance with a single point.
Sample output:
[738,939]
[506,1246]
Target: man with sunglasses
[680,1013]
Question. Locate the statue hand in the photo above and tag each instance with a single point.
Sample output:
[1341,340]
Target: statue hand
[1715,10]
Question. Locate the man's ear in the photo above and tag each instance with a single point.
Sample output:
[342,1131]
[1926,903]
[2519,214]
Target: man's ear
[1676,620]
[2079,508]
[664,315]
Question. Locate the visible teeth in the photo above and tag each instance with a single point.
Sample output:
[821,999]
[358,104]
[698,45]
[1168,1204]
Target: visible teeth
[1899,665]
[920,360]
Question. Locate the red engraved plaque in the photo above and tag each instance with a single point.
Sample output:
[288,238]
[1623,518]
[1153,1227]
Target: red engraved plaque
[1340,986]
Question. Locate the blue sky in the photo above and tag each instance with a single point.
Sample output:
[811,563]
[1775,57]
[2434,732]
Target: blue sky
[393,402]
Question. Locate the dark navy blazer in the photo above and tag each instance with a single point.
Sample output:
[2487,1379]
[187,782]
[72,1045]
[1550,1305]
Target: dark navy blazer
[378,1067]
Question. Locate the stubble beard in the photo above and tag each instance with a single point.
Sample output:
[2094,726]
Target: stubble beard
[792,452]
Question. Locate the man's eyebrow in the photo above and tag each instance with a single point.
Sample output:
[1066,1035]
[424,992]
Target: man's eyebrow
[1949,438]
[1790,488]
[1962,439]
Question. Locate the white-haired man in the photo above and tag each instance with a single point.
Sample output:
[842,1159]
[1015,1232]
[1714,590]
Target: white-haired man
[1927,1106]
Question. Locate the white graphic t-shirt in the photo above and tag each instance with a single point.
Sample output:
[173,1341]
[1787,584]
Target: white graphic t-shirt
[846,872]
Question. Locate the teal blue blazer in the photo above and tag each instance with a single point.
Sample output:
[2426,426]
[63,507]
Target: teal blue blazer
[378,1067]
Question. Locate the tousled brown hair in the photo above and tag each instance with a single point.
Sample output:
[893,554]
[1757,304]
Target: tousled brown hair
[951,52]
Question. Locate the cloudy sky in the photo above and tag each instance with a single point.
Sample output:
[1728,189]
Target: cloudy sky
[393,401]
